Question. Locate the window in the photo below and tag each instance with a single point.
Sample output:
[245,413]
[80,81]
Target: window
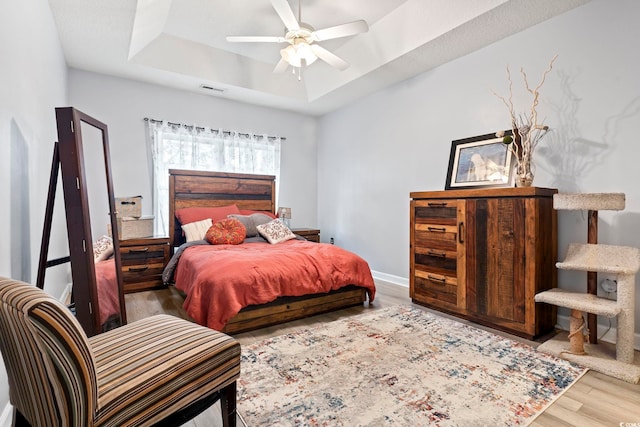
[177,146]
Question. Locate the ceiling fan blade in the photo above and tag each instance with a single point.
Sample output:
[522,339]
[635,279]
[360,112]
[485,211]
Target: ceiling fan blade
[329,57]
[281,66]
[256,39]
[344,30]
[286,14]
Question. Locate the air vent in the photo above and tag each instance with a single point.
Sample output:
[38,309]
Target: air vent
[215,89]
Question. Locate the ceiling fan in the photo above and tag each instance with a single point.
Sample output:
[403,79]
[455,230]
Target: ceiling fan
[301,37]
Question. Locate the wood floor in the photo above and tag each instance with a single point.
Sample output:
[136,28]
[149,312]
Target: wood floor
[595,400]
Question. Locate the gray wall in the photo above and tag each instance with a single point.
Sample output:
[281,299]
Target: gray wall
[123,104]
[33,81]
[372,153]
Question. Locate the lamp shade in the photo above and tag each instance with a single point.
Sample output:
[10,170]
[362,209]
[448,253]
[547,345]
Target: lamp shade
[284,213]
[285,216]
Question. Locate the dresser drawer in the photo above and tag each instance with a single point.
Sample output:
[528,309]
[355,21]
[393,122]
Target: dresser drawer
[434,236]
[436,288]
[311,234]
[132,255]
[435,260]
[142,277]
[143,262]
[436,212]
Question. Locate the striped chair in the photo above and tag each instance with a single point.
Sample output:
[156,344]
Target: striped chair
[161,370]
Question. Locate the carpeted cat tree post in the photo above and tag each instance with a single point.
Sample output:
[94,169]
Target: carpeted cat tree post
[622,261]
[576,332]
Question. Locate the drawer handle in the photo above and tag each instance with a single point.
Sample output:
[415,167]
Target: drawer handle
[438,254]
[460,231]
[437,229]
[436,279]
[138,269]
[139,250]
[433,204]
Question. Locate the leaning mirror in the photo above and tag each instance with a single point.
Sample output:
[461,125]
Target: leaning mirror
[83,147]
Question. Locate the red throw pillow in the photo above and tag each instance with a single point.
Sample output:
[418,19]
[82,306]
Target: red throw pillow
[226,232]
[249,212]
[189,215]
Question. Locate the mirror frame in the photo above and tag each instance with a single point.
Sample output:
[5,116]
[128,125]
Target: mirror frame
[71,151]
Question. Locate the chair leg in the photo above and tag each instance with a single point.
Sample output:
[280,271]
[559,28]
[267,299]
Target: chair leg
[228,405]
[19,420]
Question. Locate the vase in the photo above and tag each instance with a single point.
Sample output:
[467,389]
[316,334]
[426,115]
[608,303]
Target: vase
[524,173]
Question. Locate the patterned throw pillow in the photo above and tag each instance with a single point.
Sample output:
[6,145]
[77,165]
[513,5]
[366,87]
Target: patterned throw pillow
[196,230]
[251,221]
[102,249]
[275,232]
[226,232]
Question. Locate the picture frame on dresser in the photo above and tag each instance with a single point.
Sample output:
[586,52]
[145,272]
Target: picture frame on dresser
[482,161]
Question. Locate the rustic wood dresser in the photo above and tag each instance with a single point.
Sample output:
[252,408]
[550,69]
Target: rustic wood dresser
[483,254]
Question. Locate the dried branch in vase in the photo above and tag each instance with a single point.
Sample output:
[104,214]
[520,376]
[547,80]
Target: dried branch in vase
[526,130]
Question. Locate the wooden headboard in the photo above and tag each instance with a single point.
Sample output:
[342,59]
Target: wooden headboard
[188,188]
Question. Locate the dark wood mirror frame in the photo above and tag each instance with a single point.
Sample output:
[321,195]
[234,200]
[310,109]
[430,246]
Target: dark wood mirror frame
[69,156]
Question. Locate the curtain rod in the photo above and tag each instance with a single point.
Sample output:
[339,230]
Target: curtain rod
[224,132]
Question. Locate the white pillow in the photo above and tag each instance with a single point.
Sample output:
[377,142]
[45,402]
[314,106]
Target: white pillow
[196,230]
[102,249]
[275,232]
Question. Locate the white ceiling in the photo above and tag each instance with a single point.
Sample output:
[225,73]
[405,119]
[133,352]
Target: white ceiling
[181,43]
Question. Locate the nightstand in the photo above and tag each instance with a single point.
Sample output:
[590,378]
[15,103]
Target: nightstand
[311,234]
[143,261]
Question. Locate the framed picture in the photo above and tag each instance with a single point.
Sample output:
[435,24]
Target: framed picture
[481,161]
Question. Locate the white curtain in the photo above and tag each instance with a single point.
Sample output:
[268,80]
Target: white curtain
[177,146]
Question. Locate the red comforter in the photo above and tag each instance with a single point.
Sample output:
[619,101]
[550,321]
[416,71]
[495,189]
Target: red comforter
[219,280]
[108,295]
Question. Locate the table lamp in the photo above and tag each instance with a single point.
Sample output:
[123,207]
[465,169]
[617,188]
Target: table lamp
[285,216]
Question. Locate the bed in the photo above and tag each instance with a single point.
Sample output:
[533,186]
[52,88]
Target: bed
[108,294]
[190,189]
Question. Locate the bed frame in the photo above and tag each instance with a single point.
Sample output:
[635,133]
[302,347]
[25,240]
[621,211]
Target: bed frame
[189,188]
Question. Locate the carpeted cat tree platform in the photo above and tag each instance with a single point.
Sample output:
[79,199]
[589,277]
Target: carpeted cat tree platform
[621,261]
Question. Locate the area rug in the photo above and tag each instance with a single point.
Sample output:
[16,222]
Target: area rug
[397,366]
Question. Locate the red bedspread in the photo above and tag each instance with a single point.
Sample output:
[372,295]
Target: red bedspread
[108,296]
[219,280]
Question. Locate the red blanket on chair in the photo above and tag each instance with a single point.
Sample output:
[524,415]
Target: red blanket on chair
[220,280]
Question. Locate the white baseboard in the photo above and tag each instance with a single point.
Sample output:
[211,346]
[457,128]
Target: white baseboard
[396,280]
[66,293]
[6,418]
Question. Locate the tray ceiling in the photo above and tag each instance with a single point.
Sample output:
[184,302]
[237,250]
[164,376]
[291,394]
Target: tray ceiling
[181,43]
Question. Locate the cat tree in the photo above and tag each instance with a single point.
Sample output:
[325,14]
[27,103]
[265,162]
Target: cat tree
[621,261]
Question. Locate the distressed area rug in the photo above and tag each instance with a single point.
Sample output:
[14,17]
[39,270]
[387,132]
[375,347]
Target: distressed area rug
[397,366]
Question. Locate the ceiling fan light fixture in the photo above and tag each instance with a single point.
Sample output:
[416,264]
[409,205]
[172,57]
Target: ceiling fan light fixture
[302,50]
[289,55]
[297,52]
